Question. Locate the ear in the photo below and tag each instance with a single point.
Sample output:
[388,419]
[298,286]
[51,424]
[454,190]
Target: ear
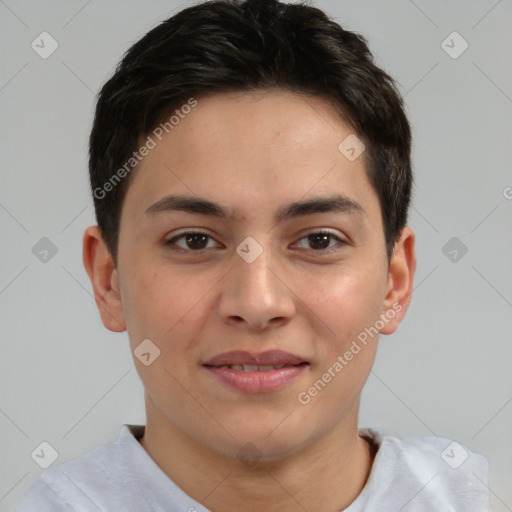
[100,267]
[402,267]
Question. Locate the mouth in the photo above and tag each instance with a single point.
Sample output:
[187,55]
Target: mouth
[267,372]
[254,367]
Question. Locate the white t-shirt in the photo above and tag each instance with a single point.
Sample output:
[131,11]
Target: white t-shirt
[427,474]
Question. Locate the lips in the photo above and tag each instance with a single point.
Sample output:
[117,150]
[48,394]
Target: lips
[256,373]
[269,358]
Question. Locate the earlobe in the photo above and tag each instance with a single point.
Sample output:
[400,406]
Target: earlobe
[102,273]
[400,280]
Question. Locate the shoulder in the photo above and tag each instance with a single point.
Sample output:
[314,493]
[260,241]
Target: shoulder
[433,473]
[40,497]
[444,454]
[84,482]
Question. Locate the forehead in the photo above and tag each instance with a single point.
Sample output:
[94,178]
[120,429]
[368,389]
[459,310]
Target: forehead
[240,125]
[250,150]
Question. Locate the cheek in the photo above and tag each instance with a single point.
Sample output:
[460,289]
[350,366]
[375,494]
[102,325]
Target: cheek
[347,309]
[346,301]
[164,304]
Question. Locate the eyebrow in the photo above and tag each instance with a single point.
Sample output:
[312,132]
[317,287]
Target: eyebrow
[337,204]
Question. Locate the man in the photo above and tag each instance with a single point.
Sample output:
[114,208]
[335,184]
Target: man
[250,167]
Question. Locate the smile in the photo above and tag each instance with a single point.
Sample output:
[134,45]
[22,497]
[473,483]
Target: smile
[256,372]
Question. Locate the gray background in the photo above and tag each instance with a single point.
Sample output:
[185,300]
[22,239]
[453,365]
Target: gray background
[447,371]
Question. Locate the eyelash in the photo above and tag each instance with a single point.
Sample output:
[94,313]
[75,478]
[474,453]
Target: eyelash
[172,241]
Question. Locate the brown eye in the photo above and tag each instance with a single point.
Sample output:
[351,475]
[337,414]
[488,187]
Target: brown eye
[321,240]
[193,241]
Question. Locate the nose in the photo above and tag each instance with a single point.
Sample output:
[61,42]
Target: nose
[256,295]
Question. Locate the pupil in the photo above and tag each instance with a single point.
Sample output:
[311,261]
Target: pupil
[323,237]
[194,237]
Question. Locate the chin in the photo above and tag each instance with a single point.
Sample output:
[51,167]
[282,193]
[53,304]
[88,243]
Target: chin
[267,441]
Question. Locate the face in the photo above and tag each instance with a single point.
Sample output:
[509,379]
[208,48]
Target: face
[262,281]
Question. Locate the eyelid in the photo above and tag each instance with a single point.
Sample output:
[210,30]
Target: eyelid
[187,231]
[328,231]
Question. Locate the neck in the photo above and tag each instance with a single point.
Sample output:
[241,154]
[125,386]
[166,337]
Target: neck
[327,475]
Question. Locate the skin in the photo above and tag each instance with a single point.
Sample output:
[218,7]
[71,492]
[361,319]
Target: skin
[253,153]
